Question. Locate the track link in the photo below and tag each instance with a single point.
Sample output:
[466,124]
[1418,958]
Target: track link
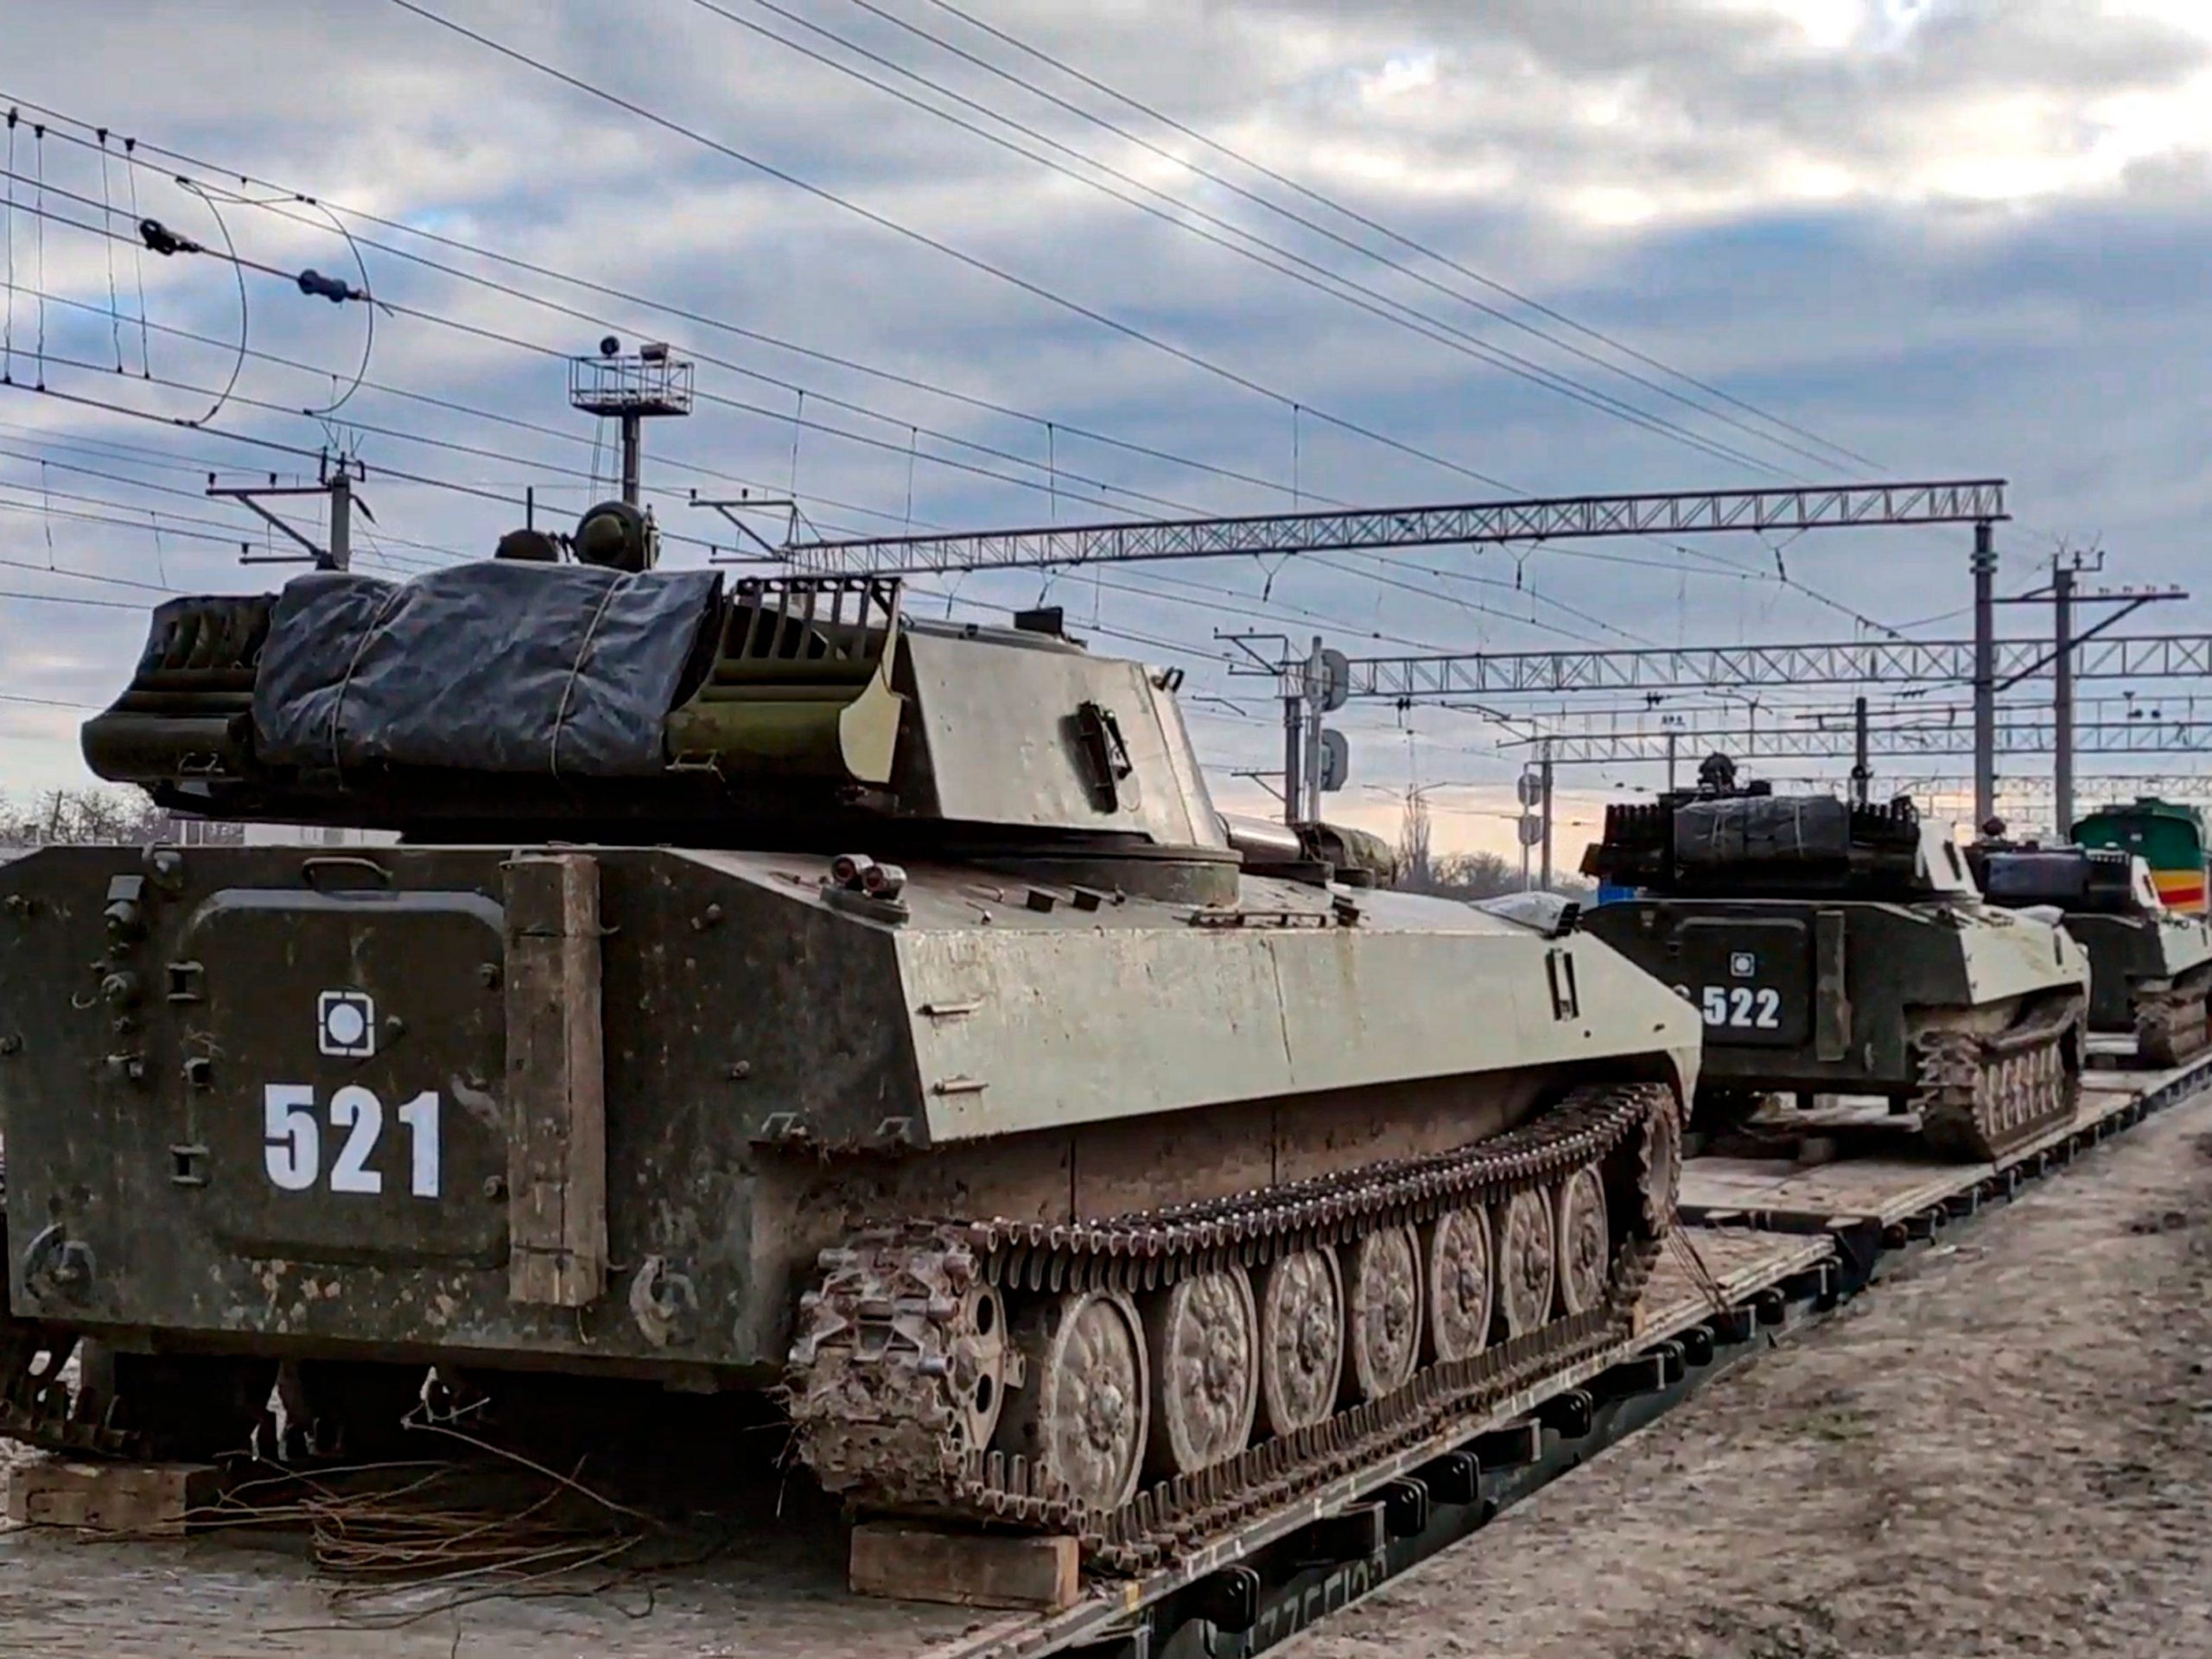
[1981,1095]
[2170,1024]
[883,1375]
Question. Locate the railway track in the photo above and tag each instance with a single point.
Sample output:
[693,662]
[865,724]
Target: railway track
[1770,1246]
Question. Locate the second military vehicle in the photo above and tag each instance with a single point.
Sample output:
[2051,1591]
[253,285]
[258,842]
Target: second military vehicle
[2149,966]
[1839,948]
[772,992]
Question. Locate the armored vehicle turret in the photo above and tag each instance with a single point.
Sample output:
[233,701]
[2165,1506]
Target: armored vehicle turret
[770,990]
[2149,966]
[1839,948]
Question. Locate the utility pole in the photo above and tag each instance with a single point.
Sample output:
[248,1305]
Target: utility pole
[1315,670]
[1985,672]
[1293,780]
[336,477]
[1671,736]
[1862,774]
[1544,812]
[2063,593]
[2062,697]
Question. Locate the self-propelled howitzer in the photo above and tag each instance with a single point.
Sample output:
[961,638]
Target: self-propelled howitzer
[770,990]
[2150,967]
[1840,948]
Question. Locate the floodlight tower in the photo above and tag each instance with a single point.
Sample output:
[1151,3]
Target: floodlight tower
[632,387]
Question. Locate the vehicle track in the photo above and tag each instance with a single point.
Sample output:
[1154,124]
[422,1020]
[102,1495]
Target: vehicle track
[2005,1448]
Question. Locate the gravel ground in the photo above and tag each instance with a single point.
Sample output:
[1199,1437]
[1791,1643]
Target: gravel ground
[2006,1449]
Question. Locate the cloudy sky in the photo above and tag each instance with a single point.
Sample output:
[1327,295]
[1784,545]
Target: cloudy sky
[1663,243]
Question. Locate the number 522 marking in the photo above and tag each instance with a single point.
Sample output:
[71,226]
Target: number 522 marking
[292,1130]
[1738,1008]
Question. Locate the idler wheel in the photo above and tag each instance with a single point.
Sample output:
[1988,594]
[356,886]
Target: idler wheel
[1082,1417]
[1204,1337]
[1301,1339]
[1383,1297]
[1583,1243]
[1461,1286]
[1527,1264]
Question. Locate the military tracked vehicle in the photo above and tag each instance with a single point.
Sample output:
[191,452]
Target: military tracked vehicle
[1833,947]
[2149,966]
[770,991]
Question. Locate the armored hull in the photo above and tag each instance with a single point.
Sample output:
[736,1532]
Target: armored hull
[1842,950]
[2150,967]
[1057,1174]
[1802,997]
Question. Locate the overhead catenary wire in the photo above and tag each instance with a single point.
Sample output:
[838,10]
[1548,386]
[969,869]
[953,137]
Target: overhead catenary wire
[532,426]
[148,484]
[889,377]
[1684,551]
[227,535]
[799,420]
[550,351]
[975,262]
[431,400]
[114,307]
[1365,250]
[480,331]
[1283,260]
[1335,205]
[1252,608]
[8,337]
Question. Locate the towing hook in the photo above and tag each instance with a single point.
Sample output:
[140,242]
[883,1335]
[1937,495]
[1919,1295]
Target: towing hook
[663,1302]
[57,1268]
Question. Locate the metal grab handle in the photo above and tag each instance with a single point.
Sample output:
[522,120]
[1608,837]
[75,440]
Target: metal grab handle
[341,861]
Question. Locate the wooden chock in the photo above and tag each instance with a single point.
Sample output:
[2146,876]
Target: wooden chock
[146,1500]
[916,1563]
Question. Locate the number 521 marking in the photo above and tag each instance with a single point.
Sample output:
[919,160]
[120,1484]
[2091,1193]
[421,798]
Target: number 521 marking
[292,1149]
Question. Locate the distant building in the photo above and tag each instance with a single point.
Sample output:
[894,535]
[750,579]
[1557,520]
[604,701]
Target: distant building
[304,834]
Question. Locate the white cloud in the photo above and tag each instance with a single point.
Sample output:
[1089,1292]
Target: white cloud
[1957,235]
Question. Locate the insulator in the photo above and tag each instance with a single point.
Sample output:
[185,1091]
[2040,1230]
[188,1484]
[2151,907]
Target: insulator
[333,288]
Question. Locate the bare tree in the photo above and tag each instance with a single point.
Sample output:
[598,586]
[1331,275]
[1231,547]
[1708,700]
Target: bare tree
[1469,876]
[67,816]
[1415,873]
